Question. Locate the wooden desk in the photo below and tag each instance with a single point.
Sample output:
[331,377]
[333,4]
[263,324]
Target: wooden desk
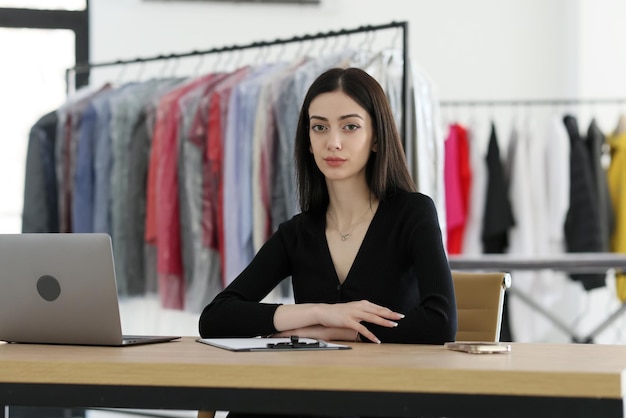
[385,380]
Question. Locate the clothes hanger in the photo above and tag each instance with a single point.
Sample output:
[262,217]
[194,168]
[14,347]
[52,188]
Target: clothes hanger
[142,66]
[175,63]
[163,71]
[335,45]
[259,57]
[280,52]
[621,122]
[120,76]
[196,70]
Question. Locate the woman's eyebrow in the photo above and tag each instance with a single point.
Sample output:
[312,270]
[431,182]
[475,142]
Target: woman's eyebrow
[351,115]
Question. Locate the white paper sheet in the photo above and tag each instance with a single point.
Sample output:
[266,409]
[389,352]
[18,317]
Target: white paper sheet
[261,344]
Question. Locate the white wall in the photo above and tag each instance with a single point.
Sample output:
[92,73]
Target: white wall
[602,57]
[472,50]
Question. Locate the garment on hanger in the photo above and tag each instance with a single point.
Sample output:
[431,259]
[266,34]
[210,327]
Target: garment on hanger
[68,130]
[498,216]
[596,147]
[478,140]
[617,189]
[40,213]
[201,262]
[239,143]
[582,225]
[458,181]
[425,148]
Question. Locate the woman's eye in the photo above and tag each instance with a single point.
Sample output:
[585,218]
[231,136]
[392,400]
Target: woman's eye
[318,128]
[351,127]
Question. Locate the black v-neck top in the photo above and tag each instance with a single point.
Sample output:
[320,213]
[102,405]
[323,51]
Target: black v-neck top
[401,264]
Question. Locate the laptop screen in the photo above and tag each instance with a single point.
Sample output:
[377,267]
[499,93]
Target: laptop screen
[59,289]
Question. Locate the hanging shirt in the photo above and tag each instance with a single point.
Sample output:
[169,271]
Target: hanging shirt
[163,226]
[263,162]
[68,126]
[498,216]
[617,189]
[425,149]
[457,181]
[478,137]
[286,112]
[82,204]
[237,174]
[125,106]
[596,144]
[102,163]
[212,209]
[582,225]
[518,167]
[198,260]
[40,213]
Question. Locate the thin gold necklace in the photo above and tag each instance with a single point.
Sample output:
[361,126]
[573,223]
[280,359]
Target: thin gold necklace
[347,235]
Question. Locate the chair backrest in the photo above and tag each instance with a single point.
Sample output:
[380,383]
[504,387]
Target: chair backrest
[479,304]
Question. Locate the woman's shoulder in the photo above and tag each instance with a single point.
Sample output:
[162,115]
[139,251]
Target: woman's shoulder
[303,222]
[409,201]
[406,210]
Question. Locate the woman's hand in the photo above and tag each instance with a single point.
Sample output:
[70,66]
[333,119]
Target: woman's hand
[351,314]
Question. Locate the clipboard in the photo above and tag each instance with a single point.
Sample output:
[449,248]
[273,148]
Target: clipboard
[292,343]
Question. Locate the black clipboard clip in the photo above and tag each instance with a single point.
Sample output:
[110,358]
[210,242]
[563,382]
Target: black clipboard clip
[295,343]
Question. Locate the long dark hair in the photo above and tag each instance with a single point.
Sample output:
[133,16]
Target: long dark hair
[386,171]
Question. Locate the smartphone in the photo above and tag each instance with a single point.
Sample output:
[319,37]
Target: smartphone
[478,347]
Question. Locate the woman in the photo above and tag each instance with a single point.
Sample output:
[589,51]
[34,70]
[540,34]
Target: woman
[365,254]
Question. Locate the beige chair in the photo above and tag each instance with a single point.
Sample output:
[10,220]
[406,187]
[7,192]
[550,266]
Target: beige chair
[479,302]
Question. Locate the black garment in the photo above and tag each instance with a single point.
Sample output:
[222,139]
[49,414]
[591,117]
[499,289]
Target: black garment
[498,217]
[597,147]
[401,265]
[582,225]
[40,212]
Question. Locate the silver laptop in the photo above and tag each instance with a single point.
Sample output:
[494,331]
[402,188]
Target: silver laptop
[61,289]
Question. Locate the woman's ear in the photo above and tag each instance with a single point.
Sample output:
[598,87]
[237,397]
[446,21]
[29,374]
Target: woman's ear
[375,146]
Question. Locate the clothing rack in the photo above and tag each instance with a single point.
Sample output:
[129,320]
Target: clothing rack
[532,102]
[85,68]
[568,262]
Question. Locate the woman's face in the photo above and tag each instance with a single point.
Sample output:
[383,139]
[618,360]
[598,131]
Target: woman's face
[341,136]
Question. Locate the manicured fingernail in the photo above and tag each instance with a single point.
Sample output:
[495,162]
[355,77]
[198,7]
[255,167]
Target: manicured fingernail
[395,324]
[401,316]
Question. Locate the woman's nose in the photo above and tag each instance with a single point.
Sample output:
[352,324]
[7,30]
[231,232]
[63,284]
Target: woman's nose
[334,142]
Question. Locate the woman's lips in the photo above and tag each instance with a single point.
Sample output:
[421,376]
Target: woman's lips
[334,162]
